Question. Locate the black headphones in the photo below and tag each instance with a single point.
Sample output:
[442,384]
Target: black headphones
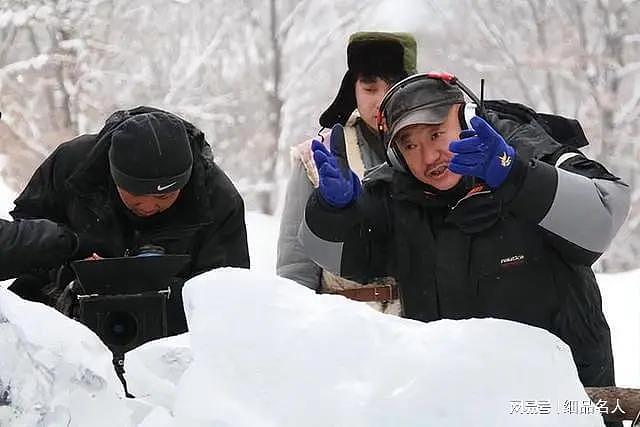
[470,109]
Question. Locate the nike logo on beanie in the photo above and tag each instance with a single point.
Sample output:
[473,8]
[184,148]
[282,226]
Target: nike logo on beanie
[150,153]
[164,187]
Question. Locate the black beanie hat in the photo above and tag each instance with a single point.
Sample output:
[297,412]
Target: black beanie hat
[150,153]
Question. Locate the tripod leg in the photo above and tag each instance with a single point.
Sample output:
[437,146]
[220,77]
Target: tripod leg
[118,365]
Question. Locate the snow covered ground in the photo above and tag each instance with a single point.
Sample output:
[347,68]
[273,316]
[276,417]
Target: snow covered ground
[621,299]
[266,352]
[262,234]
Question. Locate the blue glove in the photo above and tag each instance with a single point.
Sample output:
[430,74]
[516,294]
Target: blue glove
[483,153]
[339,185]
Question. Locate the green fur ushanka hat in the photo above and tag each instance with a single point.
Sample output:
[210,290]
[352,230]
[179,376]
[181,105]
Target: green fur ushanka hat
[373,54]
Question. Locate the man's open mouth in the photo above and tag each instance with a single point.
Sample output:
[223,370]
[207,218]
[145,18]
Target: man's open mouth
[438,171]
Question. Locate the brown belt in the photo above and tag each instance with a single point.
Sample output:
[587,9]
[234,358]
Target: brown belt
[370,293]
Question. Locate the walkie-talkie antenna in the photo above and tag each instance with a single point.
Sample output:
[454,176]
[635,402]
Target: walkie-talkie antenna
[481,97]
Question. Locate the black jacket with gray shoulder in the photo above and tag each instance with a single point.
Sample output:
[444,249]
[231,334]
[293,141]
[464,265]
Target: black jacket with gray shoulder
[523,252]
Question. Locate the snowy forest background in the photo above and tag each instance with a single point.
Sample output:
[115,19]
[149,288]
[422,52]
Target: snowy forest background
[254,75]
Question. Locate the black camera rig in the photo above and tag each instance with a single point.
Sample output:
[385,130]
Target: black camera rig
[124,300]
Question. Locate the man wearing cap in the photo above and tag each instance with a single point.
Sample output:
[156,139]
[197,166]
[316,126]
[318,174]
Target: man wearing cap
[375,60]
[497,220]
[147,178]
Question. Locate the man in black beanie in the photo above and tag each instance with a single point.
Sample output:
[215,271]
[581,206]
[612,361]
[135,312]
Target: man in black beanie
[147,178]
[150,161]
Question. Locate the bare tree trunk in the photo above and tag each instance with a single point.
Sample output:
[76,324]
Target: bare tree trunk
[616,150]
[622,404]
[67,115]
[8,36]
[269,195]
[48,93]
[539,12]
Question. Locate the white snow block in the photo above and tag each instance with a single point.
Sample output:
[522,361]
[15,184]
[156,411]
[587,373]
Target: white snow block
[154,369]
[269,352]
[54,371]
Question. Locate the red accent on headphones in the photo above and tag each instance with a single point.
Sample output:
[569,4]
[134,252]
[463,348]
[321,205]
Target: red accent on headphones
[447,77]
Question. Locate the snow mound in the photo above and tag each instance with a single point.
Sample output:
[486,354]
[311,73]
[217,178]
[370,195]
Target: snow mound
[53,370]
[268,352]
[264,351]
[154,370]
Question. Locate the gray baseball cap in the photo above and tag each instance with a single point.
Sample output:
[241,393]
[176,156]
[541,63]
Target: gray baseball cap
[424,101]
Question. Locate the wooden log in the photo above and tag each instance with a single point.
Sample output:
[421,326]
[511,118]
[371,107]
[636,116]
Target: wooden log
[617,403]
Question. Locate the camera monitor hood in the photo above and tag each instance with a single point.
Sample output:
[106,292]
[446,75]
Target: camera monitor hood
[128,275]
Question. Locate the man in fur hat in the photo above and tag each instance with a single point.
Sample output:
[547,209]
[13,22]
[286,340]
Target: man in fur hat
[376,61]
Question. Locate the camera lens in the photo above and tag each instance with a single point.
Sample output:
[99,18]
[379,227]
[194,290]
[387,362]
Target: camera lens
[150,250]
[120,328]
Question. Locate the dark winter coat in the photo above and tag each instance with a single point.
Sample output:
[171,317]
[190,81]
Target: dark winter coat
[292,261]
[74,187]
[521,253]
[25,245]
